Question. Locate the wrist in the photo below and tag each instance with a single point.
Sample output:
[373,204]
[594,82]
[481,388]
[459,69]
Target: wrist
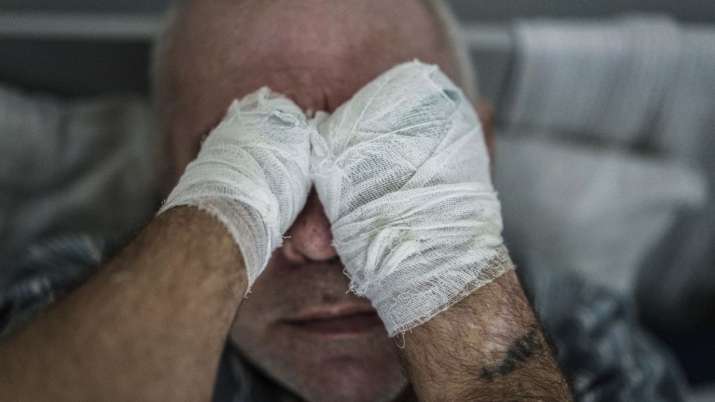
[206,246]
[437,289]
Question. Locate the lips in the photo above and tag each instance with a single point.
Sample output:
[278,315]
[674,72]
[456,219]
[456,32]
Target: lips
[336,321]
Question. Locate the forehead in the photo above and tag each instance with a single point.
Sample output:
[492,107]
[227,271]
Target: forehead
[317,52]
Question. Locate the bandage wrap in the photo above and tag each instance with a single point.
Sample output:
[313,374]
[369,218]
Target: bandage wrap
[403,173]
[252,174]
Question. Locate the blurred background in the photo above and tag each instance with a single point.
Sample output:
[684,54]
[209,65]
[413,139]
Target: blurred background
[605,121]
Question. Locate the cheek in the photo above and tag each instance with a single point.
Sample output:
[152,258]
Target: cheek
[187,130]
[183,148]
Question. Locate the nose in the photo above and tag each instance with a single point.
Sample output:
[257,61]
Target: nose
[310,238]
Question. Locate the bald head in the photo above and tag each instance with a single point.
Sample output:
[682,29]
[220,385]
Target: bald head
[317,52]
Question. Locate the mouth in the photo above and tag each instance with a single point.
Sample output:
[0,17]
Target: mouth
[336,321]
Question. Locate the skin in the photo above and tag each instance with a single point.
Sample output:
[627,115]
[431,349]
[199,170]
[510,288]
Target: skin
[156,335]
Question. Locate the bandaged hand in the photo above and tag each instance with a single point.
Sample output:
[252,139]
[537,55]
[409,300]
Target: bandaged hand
[252,174]
[403,173]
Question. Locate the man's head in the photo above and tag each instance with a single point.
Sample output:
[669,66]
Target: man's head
[299,325]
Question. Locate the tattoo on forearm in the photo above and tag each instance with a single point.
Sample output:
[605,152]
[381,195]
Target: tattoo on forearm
[518,353]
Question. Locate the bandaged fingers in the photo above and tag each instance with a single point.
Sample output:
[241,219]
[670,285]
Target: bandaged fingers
[403,173]
[252,174]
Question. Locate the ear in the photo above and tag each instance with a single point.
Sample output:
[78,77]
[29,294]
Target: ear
[485,111]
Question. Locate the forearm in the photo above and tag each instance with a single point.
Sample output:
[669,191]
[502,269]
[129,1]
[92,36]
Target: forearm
[488,347]
[151,325]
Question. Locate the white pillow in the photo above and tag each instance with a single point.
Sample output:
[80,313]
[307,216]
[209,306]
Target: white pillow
[85,165]
[594,211]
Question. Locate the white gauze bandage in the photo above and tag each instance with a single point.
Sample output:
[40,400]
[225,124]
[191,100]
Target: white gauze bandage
[403,173]
[252,174]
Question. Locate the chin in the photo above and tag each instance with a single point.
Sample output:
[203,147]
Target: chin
[363,368]
[348,380]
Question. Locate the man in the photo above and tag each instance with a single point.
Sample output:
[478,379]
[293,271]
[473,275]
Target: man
[152,323]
